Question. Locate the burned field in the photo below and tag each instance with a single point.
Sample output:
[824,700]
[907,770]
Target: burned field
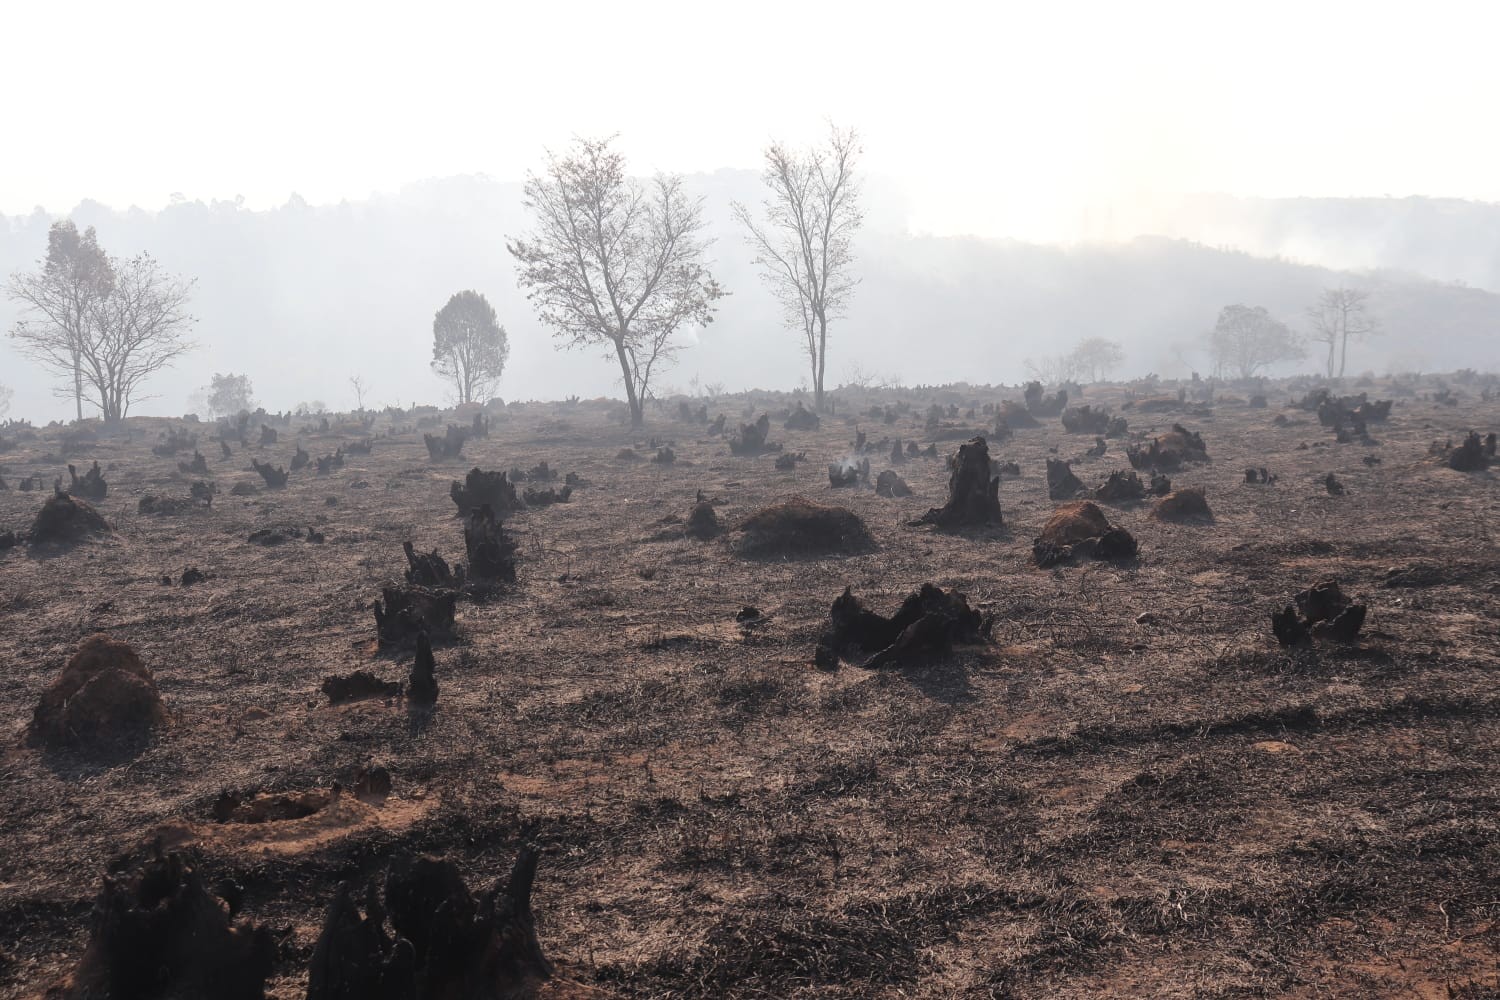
[1081,768]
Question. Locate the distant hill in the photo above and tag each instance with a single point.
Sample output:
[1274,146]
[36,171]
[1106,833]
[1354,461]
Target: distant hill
[1447,239]
[301,297]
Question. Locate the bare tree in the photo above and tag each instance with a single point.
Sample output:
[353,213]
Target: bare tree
[138,329]
[60,298]
[1056,369]
[1338,317]
[130,327]
[357,383]
[1097,357]
[615,263]
[1247,339]
[805,245]
[469,346]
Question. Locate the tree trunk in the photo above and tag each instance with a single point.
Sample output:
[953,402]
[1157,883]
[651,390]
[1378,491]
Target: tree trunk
[77,385]
[822,362]
[637,418]
[1344,353]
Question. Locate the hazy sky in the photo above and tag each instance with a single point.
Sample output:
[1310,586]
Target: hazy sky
[996,119]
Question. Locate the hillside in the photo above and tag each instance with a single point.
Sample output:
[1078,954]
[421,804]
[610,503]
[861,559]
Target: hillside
[301,297]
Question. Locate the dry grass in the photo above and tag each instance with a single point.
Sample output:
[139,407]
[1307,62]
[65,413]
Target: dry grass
[1133,791]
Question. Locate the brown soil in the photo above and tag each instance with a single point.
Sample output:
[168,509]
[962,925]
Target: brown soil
[800,527]
[1131,790]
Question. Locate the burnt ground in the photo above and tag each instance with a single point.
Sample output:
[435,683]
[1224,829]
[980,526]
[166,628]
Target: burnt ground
[1133,791]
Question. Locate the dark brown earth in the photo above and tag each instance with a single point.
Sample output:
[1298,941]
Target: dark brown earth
[1131,790]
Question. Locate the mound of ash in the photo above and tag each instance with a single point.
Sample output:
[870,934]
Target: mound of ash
[1062,484]
[928,623]
[65,520]
[798,526]
[157,931]
[1079,530]
[1172,450]
[1038,404]
[1322,612]
[442,941]
[360,685]
[1189,504]
[104,695]
[488,489]
[751,439]
[973,494]
[1093,420]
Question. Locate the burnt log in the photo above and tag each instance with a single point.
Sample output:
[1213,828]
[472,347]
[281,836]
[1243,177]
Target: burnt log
[928,623]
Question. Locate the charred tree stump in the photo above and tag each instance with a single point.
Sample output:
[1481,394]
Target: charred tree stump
[973,495]
[429,569]
[422,685]
[485,489]
[90,486]
[405,612]
[492,552]
[275,478]
[157,931]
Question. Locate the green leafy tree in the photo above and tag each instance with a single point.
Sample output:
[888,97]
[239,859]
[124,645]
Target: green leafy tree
[614,263]
[469,346]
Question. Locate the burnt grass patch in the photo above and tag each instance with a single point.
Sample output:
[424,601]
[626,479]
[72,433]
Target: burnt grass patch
[1128,789]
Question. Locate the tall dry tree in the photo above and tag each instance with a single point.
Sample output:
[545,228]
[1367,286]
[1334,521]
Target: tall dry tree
[60,298]
[804,246]
[138,329]
[106,325]
[1340,315]
[615,263]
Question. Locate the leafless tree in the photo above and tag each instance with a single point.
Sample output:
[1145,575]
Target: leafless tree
[1057,369]
[615,263]
[138,329]
[127,329]
[1340,316]
[357,383]
[804,246]
[1097,357]
[59,299]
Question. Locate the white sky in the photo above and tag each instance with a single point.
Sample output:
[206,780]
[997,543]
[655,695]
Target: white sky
[998,119]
